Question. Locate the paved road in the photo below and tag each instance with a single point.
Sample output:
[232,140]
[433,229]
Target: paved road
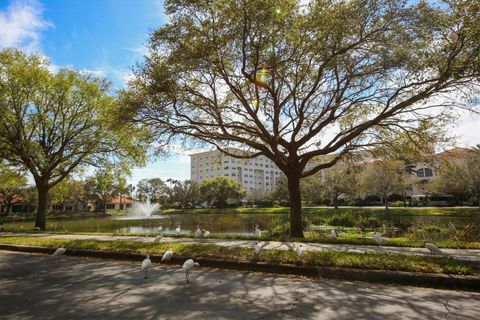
[460,254]
[41,287]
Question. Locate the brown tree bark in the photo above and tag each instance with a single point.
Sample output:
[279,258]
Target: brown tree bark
[296,224]
[42,189]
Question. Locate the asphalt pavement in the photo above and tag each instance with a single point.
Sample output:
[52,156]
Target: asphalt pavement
[35,286]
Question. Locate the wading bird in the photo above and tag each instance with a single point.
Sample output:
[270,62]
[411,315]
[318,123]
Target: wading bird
[299,251]
[146,263]
[198,232]
[178,230]
[333,234]
[258,232]
[434,250]
[187,266]
[167,255]
[206,233]
[59,251]
[377,237]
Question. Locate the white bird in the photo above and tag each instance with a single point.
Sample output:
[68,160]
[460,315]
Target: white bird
[146,263]
[258,248]
[178,230]
[206,233]
[333,234]
[187,266]
[37,229]
[299,251]
[198,232]
[59,251]
[258,232]
[377,237]
[434,250]
[160,228]
[157,239]
[167,255]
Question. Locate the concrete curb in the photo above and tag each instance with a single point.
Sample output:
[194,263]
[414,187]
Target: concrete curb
[429,280]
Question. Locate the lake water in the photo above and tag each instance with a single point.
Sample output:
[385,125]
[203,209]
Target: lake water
[244,224]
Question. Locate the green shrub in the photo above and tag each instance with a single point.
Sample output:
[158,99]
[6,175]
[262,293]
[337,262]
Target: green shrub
[279,227]
[368,223]
[355,203]
[344,219]
[397,204]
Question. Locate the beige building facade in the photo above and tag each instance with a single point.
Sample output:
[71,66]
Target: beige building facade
[259,173]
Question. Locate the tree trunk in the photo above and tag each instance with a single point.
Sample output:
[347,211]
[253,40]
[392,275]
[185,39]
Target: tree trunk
[334,199]
[42,189]
[385,196]
[296,225]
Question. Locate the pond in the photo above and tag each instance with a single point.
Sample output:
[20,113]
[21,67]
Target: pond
[229,224]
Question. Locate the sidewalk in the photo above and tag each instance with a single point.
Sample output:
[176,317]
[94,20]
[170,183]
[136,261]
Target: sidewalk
[471,255]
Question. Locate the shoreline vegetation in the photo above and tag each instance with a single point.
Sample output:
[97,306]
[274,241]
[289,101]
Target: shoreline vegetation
[373,261]
[393,211]
[316,233]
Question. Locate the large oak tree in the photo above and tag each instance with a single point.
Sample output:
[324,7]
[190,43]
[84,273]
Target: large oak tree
[53,124]
[298,80]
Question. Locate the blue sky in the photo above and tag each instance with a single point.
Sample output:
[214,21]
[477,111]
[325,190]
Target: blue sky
[107,37]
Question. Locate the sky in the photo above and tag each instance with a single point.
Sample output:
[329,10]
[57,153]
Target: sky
[107,38]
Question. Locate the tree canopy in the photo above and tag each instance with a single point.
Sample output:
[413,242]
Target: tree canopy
[461,175]
[295,80]
[55,123]
[219,190]
[12,186]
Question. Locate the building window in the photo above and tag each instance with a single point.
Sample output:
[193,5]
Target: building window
[428,172]
[110,206]
[424,172]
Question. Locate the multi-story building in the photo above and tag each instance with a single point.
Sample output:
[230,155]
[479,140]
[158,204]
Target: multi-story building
[258,173]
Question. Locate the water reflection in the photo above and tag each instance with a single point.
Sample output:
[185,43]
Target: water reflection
[230,224]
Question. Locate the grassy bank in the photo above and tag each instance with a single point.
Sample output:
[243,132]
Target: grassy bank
[309,237]
[326,211]
[390,262]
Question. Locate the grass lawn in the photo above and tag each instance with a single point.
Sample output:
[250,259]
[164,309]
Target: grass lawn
[393,262]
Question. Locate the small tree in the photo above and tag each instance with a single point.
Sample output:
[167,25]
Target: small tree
[461,175]
[186,193]
[12,186]
[104,186]
[155,189]
[280,193]
[218,190]
[68,191]
[383,178]
[259,197]
[337,181]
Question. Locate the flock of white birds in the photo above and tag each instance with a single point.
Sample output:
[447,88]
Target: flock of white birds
[298,249]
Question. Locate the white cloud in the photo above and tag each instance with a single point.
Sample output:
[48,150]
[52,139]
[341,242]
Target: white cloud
[21,24]
[467,128]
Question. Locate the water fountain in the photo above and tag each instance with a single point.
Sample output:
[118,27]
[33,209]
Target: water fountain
[145,209]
